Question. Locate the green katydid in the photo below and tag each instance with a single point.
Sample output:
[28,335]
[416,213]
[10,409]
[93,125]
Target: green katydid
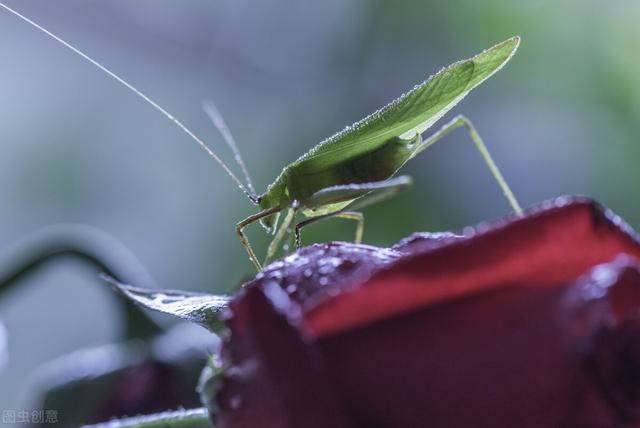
[355,167]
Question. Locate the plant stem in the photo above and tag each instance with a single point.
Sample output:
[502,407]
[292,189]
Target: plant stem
[192,418]
[86,244]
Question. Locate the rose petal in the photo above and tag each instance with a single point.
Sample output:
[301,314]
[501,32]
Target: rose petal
[513,356]
[276,379]
[549,245]
[502,326]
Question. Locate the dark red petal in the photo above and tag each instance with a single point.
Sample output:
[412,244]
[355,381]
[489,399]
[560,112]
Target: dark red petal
[274,377]
[320,271]
[615,352]
[494,328]
[548,246]
[420,242]
[505,357]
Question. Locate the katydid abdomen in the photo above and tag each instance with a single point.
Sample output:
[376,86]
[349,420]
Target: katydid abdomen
[304,179]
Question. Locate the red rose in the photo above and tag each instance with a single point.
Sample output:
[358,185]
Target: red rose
[528,322]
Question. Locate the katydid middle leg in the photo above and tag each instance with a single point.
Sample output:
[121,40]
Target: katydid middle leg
[457,122]
[362,195]
[350,215]
[282,231]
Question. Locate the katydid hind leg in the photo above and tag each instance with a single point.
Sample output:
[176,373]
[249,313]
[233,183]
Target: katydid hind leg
[462,121]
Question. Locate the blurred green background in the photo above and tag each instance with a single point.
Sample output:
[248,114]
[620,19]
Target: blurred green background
[561,118]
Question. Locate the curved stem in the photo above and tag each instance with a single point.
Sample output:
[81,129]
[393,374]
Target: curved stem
[193,418]
[90,245]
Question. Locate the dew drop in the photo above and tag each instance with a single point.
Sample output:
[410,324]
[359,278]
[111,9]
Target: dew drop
[291,288]
[276,274]
[325,270]
[235,402]
[333,291]
[468,231]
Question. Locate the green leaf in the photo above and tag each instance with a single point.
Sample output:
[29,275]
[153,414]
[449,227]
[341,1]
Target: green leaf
[200,308]
[192,418]
[412,113]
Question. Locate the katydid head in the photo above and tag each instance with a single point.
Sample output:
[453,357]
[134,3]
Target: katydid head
[276,197]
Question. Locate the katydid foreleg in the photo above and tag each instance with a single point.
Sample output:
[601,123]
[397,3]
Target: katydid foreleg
[243,238]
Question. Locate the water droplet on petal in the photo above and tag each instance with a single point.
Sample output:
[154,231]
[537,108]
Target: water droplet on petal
[291,288]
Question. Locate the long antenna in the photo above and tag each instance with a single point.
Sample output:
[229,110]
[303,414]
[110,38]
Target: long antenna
[250,195]
[214,114]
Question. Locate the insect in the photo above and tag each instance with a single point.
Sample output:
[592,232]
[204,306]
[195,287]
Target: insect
[357,166]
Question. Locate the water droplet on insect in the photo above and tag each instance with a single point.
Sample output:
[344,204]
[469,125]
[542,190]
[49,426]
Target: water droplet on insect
[308,273]
[323,280]
[291,288]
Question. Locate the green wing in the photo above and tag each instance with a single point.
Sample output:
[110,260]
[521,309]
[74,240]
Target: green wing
[412,113]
